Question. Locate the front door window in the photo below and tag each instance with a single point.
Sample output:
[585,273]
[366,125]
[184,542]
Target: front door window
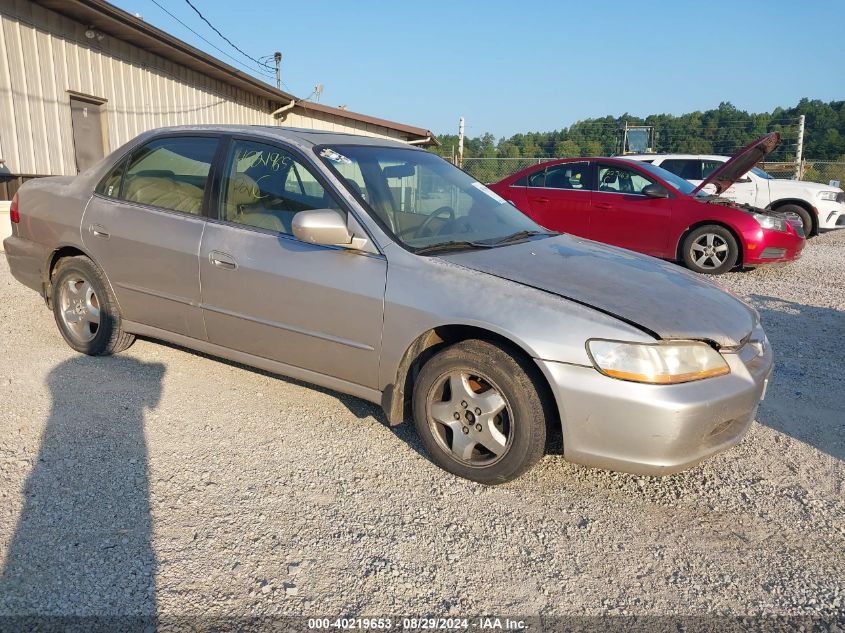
[265,186]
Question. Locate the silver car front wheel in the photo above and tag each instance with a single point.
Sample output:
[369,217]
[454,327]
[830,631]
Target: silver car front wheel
[479,412]
[469,417]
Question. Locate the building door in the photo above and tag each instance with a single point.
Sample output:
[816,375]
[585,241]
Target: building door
[86,118]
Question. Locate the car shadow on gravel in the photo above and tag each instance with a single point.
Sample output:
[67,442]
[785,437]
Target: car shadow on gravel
[83,541]
[804,398]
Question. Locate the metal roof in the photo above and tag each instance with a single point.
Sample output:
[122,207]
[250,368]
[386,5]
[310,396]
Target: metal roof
[122,25]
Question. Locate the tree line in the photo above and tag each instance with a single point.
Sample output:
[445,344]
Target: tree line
[721,130]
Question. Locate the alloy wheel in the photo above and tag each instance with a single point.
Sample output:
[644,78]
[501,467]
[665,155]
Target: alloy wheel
[709,251]
[470,418]
[79,308]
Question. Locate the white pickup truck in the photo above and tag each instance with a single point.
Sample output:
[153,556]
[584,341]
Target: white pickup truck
[821,207]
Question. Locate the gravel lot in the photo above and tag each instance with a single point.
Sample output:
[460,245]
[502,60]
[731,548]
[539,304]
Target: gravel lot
[163,481]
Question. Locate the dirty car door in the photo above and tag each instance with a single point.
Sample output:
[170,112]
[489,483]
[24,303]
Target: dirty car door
[143,227]
[268,294]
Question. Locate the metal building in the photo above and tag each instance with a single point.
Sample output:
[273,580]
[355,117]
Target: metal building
[78,78]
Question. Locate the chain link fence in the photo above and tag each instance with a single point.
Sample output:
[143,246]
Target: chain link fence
[822,171]
[489,170]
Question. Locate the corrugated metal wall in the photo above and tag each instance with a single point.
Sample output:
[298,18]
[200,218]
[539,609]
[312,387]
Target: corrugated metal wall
[43,55]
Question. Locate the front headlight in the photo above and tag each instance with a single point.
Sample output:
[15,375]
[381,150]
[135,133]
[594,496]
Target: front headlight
[833,196]
[659,363]
[770,222]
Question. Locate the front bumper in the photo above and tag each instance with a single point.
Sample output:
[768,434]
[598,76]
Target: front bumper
[772,247]
[657,429]
[831,215]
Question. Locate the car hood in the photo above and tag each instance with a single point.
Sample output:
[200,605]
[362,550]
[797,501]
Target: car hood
[740,163]
[660,298]
[806,185]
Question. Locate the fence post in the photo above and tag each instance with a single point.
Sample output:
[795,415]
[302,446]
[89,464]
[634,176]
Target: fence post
[461,143]
[799,151]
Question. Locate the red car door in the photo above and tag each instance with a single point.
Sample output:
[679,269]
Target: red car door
[623,216]
[559,197]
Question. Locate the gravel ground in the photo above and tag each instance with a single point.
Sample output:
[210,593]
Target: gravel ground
[163,481]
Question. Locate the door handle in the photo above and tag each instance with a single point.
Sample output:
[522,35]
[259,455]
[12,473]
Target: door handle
[98,230]
[603,205]
[543,200]
[222,260]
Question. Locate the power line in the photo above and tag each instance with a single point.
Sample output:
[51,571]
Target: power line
[214,28]
[220,50]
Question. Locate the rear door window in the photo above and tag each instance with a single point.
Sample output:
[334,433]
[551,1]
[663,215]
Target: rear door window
[686,168]
[708,167]
[170,173]
[110,185]
[572,176]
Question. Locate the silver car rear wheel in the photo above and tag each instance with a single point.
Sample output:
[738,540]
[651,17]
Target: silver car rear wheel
[79,308]
[470,418]
[85,308]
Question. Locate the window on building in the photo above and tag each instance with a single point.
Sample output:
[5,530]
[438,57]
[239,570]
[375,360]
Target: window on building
[171,173]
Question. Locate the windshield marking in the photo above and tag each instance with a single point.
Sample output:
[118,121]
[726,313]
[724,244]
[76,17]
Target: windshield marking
[334,156]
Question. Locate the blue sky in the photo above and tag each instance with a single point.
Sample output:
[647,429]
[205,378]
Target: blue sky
[512,67]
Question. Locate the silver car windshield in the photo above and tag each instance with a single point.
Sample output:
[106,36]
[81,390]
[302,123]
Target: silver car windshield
[762,174]
[425,202]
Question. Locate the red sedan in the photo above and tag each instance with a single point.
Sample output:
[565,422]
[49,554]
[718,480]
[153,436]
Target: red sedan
[644,208]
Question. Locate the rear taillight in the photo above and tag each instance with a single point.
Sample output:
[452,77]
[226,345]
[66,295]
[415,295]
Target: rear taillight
[14,214]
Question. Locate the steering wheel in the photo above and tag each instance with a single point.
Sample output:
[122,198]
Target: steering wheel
[441,211]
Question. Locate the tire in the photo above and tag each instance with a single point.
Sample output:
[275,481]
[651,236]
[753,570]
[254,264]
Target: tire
[86,310]
[710,250]
[479,412]
[801,212]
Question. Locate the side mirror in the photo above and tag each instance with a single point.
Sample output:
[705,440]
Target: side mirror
[655,191]
[322,226]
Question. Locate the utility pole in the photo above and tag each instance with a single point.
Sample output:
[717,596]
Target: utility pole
[278,57]
[461,143]
[799,151]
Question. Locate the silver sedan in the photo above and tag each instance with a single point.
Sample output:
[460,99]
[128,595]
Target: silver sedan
[380,270]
